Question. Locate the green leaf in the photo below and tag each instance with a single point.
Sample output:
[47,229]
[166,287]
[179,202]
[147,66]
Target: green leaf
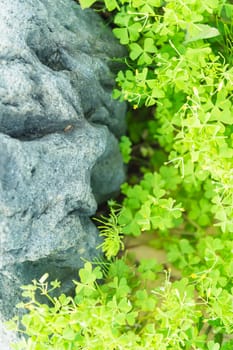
[134,31]
[111,4]
[86,3]
[131,318]
[143,217]
[185,247]
[149,45]
[200,31]
[135,51]
[120,318]
[144,301]
[122,35]
[148,269]
[212,345]
[125,305]
[69,334]
[88,275]
[145,58]
[132,228]
[64,300]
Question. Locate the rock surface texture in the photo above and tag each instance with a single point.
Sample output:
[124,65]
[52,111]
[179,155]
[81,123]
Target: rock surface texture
[59,153]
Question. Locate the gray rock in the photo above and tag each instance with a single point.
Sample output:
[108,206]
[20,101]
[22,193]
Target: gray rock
[59,127]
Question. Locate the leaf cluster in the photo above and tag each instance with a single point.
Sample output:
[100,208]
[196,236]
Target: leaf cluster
[125,311]
[180,56]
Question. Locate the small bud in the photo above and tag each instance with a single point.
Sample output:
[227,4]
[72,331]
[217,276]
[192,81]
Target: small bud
[44,278]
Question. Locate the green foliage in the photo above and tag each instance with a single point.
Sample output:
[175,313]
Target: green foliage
[179,69]
[147,207]
[209,263]
[126,311]
[112,231]
[180,56]
[125,148]
[123,312]
[174,66]
[176,62]
[110,4]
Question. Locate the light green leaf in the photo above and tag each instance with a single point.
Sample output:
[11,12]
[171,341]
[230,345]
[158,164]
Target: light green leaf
[122,35]
[69,334]
[136,51]
[111,4]
[149,45]
[124,305]
[145,59]
[200,31]
[212,345]
[134,31]
[125,148]
[86,3]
